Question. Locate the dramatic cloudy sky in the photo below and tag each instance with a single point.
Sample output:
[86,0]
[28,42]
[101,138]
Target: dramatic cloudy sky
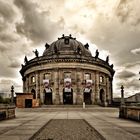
[112,26]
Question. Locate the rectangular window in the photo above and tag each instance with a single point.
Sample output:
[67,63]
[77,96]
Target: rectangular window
[87,76]
[67,74]
[33,79]
[101,79]
[47,76]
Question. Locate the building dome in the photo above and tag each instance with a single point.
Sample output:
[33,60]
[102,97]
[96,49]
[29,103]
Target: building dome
[67,46]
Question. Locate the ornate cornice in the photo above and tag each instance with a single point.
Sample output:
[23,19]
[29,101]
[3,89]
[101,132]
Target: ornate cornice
[66,59]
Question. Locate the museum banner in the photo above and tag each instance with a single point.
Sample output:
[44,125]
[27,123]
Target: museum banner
[88,86]
[47,86]
[67,84]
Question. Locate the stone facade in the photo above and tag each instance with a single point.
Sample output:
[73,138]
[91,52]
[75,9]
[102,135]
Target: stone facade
[68,59]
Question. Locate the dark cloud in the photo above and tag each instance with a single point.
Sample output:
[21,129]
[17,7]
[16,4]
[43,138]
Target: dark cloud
[7,14]
[130,85]
[125,75]
[36,25]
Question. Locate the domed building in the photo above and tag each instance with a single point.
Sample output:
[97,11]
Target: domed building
[67,73]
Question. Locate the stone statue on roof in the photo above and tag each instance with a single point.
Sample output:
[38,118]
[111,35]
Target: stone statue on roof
[36,53]
[96,54]
[107,59]
[25,60]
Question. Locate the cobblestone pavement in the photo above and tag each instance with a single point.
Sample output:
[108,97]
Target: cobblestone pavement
[68,129]
[29,122]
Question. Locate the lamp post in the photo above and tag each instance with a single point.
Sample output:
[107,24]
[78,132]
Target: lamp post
[12,94]
[122,96]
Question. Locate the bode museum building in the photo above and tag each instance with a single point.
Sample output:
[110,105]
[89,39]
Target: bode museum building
[67,73]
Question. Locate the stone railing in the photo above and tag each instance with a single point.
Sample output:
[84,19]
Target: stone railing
[7,112]
[130,112]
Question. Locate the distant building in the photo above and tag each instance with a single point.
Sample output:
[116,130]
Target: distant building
[133,98]
[67,73]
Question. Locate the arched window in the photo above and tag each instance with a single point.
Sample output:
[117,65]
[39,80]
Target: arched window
[33,79]
[101,79]
[87,76]
[47,76]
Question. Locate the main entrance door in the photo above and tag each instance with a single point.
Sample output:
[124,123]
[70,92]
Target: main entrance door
[67,97]
[87,97]
[48,98]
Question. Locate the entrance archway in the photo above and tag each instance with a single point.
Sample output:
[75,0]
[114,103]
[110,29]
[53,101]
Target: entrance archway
[68,96]
[102,95]
[87,97]
[48,97]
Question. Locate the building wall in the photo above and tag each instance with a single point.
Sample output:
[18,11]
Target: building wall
[78,82]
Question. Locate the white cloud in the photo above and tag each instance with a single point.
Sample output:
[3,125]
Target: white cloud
[136,51]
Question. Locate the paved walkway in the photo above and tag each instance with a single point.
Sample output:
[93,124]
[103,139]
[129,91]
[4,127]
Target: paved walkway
[103,120]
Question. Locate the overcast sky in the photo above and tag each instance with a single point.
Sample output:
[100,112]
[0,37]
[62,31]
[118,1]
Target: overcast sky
[112,26]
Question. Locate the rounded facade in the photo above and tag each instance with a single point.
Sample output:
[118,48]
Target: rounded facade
[72,74]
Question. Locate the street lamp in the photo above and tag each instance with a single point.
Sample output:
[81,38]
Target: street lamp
[122,96]
[12,94]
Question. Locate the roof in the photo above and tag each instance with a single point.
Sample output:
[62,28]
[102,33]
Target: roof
[67,45]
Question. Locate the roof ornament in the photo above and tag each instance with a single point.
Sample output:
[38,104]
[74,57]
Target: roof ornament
[96,54]
[112,66]
[63,37]
[86,46]
[25,60]
[36,53]
[47,45]
[107,59]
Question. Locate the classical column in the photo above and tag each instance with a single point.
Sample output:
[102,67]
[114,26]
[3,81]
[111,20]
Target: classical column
[24,84]
[60,85]
[27,84]
[41,88]
[111,89]
[107,91]
[56,96]
[97,100]
[37,84]
[79,89]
